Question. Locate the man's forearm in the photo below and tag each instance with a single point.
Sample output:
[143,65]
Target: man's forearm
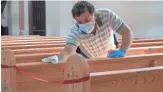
[126,41]
[68,51]
[127,37]
[63,56]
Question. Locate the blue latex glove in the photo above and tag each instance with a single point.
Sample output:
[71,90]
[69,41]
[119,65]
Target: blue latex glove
[117,53]
[53,59]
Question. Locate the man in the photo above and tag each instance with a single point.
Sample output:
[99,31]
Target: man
[92,35]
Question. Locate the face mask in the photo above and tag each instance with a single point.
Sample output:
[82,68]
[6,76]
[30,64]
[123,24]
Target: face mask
[87,27]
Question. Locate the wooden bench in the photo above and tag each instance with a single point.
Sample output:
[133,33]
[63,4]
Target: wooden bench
[30,43]
[28,37]
[61,44]
[24,53]
[36,54]
[36,57]
[63,39]
[138,50]
[116,75]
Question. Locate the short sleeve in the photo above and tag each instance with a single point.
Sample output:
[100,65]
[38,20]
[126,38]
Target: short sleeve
[115,21]
[73,37]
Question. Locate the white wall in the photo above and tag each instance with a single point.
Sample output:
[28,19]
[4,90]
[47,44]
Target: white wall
[13,15]
[144,18]
[26,18]
[52,18]
[66,20]
[58,18]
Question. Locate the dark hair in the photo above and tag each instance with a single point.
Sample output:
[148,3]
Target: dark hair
[82,6]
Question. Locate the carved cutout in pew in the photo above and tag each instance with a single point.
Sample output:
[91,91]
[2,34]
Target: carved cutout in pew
[53,72]
[22,58]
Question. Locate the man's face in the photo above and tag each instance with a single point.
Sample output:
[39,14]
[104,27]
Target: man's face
[85,18]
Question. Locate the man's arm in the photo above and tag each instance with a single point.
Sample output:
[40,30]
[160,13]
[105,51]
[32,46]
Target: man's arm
[127,37]
[68,50]
[72,42]
[118,25]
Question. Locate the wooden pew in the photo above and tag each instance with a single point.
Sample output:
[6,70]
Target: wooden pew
[46,38]
[147,44]
[51,37]
[37,50]
[95,71]
[103,78]
[33,40]
[45,52]
[31,43]
[11,45]
[37,53]
[132,80]
[139,50]
[135,80]
[33,46]
[29,37]
[62,39]
[148,40]
[36,57]
[48,45]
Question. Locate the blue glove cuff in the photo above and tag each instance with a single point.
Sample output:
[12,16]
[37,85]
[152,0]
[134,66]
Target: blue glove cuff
[122,50]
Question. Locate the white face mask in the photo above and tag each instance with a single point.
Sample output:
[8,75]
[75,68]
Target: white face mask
[87,27]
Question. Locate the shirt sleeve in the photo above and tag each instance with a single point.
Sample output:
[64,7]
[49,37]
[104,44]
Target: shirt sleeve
[73,37]
[116,23]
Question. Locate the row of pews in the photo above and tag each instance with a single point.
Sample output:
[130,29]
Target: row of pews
[141,70]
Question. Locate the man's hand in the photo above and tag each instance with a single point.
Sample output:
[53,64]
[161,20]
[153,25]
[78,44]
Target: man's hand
[63,56]
[53,59]
[117,53]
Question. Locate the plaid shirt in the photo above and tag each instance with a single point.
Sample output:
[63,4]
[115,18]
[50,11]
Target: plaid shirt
[95,46]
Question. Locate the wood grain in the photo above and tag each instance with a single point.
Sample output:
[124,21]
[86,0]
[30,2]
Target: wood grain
[9,74]
[33,46]
[37,55]
[54,73]
[135,80]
